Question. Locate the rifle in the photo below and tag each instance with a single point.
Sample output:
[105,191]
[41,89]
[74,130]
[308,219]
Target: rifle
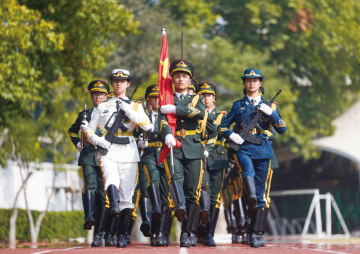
[254,123]
[112,127]
[82,142]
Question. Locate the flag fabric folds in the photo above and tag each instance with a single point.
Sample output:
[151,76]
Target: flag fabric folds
[166,93]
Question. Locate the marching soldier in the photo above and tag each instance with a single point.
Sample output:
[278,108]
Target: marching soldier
[193,87]
[119,164]
[92,177]
[186,182]
[217,161]
[156,188]
[254,160]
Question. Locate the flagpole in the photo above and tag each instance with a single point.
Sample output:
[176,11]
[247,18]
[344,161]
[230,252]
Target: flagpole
[182,55]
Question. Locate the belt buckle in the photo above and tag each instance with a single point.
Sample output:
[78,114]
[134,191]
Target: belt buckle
[157,143]
[183,133]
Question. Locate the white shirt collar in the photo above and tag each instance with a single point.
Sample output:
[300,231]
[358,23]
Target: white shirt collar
[210,110]
[178,94]
[257,99]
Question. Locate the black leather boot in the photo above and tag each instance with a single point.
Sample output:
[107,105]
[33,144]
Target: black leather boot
[168,228]
[155,225]
[246,212]
[177,194]
[131,224]
[145,212]
[114,199]
[205,207]
[240,216]
[214,212]
[194,227]
[88,203]
[249,187]
[110,231]
[123,227]
[228,221]
[154,196]
[187,225]
[161,236]
[101,217]
[201,232]
[263,227]
[254,227]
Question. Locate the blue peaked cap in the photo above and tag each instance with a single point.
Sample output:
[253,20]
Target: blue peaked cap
[252,73]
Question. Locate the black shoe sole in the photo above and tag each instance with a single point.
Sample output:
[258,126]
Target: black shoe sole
[156,216]
[180,214]
[110,244]
[205,217]
[145,229]
[185,245]
[119,246]
[96,245]
[89,224]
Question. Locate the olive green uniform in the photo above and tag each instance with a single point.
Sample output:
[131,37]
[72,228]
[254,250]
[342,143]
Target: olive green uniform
[217,162]
[92,176]
[189,157]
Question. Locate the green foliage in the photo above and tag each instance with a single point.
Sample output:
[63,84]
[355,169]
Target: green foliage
[56,225]
[315,44]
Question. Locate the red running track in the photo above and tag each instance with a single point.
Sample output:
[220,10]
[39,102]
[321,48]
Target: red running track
[144,248]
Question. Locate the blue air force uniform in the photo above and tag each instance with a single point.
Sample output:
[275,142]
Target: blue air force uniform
[254,160]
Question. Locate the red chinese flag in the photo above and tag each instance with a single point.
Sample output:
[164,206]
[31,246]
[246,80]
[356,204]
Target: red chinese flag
[166,93]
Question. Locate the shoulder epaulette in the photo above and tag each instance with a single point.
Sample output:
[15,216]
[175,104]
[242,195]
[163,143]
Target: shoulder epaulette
[223,112]
[236,100]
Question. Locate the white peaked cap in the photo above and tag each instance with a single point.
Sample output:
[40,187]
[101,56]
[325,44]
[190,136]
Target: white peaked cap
[126,72]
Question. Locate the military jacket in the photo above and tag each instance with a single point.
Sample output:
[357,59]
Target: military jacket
[118,152]
[152,153]
[88,154]
[239,111]
[218,158]
[189,113]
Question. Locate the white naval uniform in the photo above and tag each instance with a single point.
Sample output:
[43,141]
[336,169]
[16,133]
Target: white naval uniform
[119,165]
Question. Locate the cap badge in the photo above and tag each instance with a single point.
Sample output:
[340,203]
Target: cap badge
[181,64]
[120,74]
[155,88]
[205,86]
[98,84]
[252,73]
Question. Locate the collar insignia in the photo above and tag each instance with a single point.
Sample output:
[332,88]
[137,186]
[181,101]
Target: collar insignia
[181,64]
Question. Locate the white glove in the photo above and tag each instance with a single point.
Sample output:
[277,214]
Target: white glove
[125,107]
[78,147]
[143,144]
[266,109]
[84,126]
[151,128]
[168,109]
[236,138]
[231,165]
[170,140]
[206,153]
[103,143]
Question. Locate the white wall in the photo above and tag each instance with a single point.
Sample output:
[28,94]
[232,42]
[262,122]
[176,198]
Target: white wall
[39,187]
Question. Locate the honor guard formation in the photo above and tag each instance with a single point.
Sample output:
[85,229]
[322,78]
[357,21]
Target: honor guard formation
[216,158]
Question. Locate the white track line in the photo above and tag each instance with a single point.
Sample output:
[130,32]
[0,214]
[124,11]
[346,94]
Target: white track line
[183,250]
[55,250]
[329,251]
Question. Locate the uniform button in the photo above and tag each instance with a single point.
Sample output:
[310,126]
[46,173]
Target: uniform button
[155,136]
[159,149]
[132,141]
[182,121]
[222,152]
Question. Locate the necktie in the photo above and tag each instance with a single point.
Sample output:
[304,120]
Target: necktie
[155,118]
[182,97]
[117,105]
[253,101]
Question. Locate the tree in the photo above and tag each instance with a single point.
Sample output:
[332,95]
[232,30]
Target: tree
[315,44]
